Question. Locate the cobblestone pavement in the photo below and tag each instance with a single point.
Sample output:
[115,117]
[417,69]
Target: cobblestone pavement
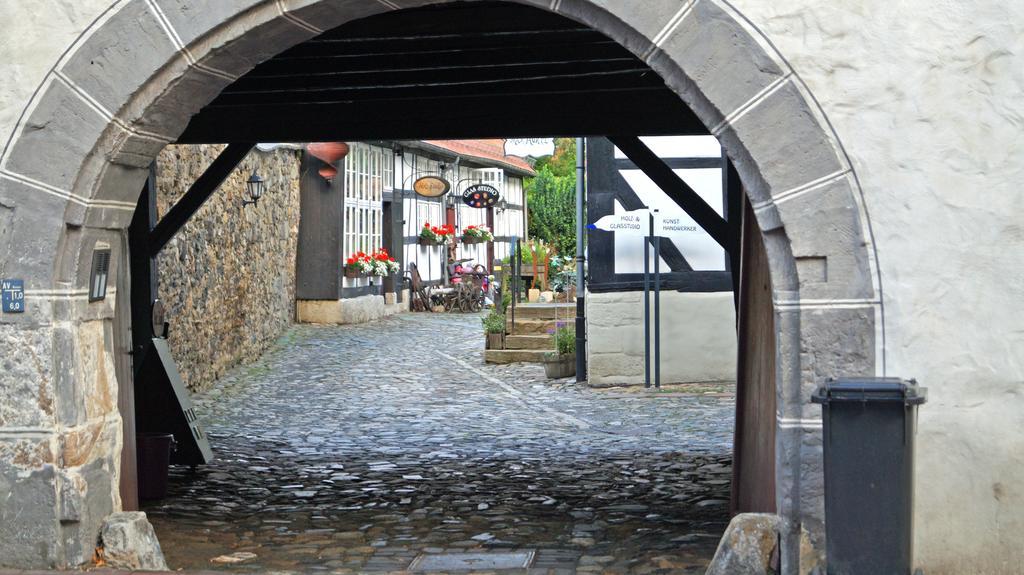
[356,449]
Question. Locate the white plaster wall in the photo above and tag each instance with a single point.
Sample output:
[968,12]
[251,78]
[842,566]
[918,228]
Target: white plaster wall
[698,338]
[928,99]
[35,34]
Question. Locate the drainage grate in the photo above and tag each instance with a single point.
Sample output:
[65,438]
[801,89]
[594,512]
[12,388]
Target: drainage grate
[473,561]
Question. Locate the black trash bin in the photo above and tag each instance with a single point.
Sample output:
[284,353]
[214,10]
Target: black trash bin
[869,431]
[153,454]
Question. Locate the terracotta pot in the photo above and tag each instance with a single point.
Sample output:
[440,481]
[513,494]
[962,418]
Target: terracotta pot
[328,172]
[328,152]
[560,366]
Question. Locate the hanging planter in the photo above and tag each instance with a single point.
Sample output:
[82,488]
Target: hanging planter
[328,152]
[436,235]
[328,172]
[476,235]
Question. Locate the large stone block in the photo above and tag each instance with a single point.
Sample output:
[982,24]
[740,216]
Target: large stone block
[723,67]
[29,535]
[36,224]
[130,543]
[169,105]
[191,19]
[120,56]
[827,241]
[86,386]
[748,546]
[27,398]
[834,342]
[787,144]
[58,134]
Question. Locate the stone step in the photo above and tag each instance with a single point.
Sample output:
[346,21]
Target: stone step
[530,326]
[514,355]
[545,342]
[561,311]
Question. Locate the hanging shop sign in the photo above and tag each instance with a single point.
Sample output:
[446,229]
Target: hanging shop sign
[481,196]
[431,186]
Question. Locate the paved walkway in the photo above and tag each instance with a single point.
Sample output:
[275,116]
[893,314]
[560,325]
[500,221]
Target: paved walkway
[391,446]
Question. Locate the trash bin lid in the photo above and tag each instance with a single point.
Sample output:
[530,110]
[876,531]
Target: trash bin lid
[870,389]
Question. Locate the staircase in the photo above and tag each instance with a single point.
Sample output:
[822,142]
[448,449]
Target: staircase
[529,340]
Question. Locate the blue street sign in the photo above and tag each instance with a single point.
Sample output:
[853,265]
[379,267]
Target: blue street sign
[13,295]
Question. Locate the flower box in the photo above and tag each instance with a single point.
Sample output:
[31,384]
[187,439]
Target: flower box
[354,272]
[470,241]
[431,242]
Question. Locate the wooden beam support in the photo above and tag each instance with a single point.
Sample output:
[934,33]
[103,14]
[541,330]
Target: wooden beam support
[197,194]
[676,189]
[734,216]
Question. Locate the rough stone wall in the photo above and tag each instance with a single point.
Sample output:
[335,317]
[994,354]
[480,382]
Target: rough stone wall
[228,278]
[698,338]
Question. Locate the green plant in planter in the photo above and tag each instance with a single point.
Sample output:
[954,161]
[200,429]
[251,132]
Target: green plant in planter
[565,340]
[506,299]
[494,322]
[561,362]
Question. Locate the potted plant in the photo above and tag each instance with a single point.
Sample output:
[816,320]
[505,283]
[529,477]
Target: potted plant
[494,327]
[378,263]
[476,235]
[562,361]
[436,235]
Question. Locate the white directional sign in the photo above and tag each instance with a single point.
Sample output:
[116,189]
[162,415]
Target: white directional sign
[665,225]
[634,223]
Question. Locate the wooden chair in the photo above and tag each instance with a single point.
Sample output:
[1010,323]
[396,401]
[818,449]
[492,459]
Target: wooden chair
[420,298]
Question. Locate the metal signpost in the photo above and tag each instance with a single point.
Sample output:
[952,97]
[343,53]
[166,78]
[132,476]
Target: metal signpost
[632,223]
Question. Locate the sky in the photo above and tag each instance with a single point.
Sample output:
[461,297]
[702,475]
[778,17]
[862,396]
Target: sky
[529,146]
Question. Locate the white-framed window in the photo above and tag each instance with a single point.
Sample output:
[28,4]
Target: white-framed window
[368,171]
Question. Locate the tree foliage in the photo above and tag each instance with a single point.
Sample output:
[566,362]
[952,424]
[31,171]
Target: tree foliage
[551,198]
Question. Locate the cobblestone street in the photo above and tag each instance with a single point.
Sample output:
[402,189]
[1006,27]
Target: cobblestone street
[391,446]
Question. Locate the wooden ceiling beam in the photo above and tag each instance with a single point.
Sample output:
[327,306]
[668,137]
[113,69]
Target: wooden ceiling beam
[570,114]
[454,76]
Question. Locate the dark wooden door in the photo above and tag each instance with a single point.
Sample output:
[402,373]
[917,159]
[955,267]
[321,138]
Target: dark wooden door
[129,486]
[753,485]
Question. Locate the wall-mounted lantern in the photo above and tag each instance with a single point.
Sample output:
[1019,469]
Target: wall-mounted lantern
[254,186]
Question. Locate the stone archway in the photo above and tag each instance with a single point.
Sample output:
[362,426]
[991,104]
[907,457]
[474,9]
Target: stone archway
[71,170]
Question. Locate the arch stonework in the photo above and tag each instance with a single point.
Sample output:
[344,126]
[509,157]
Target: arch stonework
[71,172]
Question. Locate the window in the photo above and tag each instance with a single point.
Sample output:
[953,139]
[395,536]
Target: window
[368,171]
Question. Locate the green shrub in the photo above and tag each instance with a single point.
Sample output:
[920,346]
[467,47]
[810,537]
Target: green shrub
[506,299]
[565,340]
[494,322]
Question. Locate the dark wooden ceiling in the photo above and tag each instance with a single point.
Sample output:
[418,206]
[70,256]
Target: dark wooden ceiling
[466,70]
